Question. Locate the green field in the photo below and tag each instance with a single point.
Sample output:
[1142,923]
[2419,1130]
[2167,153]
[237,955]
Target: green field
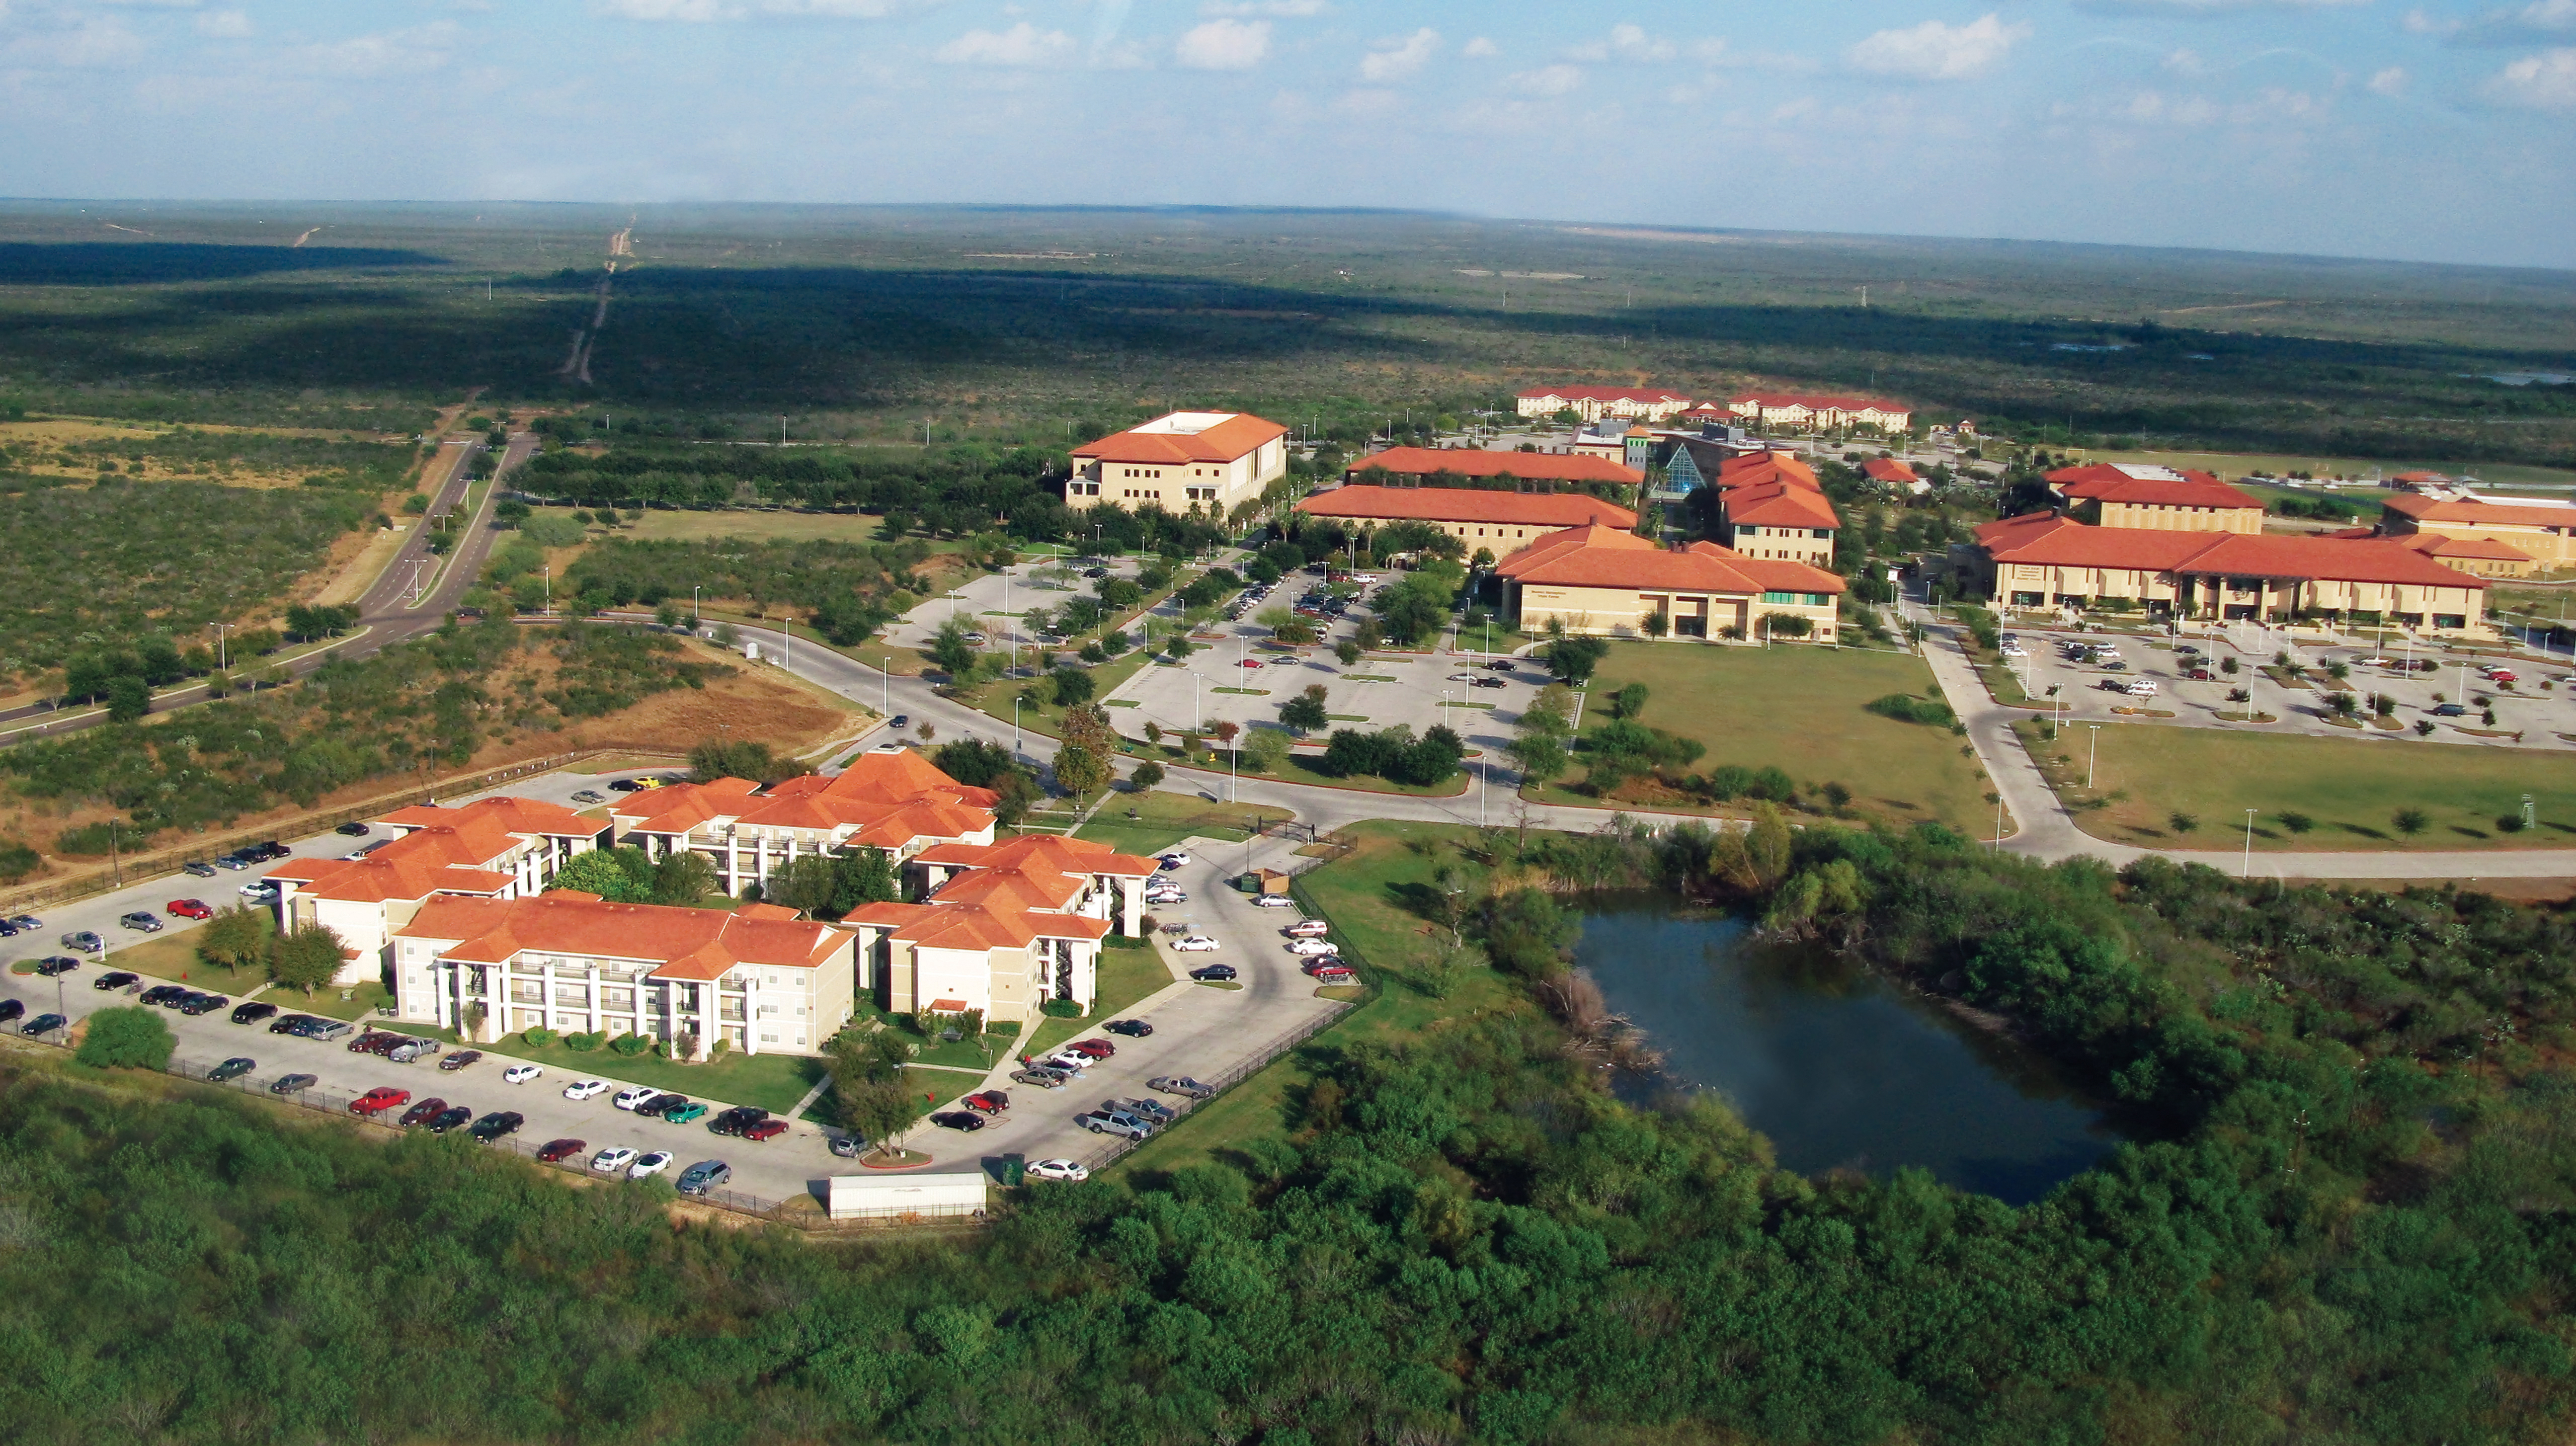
[2351,788]
[1164,818]
[1798,709]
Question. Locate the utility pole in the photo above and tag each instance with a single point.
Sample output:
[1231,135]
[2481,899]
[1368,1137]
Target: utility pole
[2247,871]
[696,618]
[2092,754]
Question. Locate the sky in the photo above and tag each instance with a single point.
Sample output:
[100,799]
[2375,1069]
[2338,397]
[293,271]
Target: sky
[2439,131]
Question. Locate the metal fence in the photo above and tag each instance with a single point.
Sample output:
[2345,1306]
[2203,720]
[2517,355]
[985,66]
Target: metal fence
[1252,1064]
[137,868]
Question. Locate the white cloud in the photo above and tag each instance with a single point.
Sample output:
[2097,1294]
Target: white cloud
[2391,81]
[1550,80]
[1481,48]
[1280,9]
[1022,44]
[1224,45]
[79,42]
[223,24]
[2546,81]
[421,47]
[1396,59]
[691,12]
[1627,42]
[2213,7]
[2541,20]
[707,12]
[2420,23]
[1935,50]
[157,4]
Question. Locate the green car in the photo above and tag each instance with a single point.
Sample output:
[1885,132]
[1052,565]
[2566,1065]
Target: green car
[686,1113]
[231,1069]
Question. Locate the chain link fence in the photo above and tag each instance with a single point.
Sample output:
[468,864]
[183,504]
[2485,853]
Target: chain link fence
[1118,1147]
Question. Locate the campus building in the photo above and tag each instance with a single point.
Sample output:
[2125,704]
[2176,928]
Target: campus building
[1512,471]
[1001,928]
[1500,522]
[1770,507]
[1895,475]
[1593,403]
[495,848]
[889,798]
[2542,531]
[1609,581]
[756,978]
[1215,461]
[2043,560]
[1817,412]
[2161,499]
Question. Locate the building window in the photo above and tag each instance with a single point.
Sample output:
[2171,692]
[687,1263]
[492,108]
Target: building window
[1779,597]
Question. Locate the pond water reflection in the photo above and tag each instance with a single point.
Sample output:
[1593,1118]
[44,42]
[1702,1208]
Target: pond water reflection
[1839,1067]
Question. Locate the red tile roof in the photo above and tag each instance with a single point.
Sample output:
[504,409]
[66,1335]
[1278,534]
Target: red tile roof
[1239,435]
[2479,513]
[512,815]
[1476,462]
[684,943]
[2050,540]
[1777,503]
[2148,486]
[1609,557]
[1466,504]
[2434,544]
[1607,394]
[1815,402]
[1756,467]
[442,850]
[1889,470]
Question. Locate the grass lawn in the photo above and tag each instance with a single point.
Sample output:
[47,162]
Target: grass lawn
[359,1006]
[2228,466]
[1164,819]
[1799,709]
[772,1081]
[174,957]
[2352,788]
[1126,975]
[1360,894]
[994,697]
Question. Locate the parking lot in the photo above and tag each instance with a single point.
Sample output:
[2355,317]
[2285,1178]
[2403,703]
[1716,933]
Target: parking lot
[992,603]
[2191,683]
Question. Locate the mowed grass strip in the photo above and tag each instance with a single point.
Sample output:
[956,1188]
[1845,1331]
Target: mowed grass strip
[1163,819]
[2351,788]
[1802,710]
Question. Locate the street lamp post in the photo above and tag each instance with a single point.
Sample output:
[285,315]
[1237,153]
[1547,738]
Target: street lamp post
[2091,754]
[2247,871]
[696,618]
[885,675]
[1199,680]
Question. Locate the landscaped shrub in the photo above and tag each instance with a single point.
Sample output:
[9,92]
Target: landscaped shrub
[541,1036]
[1060,1009]
[17,861]
[1906,708]
[1734,781]
[584,1043]
[128,1038]
[630,1045]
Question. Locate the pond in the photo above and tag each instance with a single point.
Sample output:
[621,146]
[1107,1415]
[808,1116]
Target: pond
[1839,1067]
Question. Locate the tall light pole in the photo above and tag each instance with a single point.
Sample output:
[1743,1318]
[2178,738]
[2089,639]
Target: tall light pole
[696,618]
[2247,871]
[885,675]
[2091,754]
[1199,680]
[223,654]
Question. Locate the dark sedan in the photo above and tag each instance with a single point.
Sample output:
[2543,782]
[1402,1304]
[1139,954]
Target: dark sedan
[493,1126]
[958,1120]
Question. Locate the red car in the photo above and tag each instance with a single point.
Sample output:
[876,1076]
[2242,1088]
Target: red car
[378,1100]
[990,1102]
[765,1130]
[191,909]
[1096,1048]
[558,1150]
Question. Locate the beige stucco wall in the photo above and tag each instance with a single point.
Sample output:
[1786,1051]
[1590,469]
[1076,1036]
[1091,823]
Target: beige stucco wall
[1790,544]
[1622,612]
[2548,549]
[1221,485]
[2160,517]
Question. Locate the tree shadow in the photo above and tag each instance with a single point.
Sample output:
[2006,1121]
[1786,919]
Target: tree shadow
[2363,830]
[2467,832]
[133,263]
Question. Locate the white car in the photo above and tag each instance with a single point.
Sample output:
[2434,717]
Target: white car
[652,1164]
[2141,688]
[628,1099]
[1175,858]
[585,1089]
[2013,650]
[521,1073]
[1068,1060]
[1058,1170]
[1307,929]
[1313,946]
[1273,901]
[1167,896]
[1196,944]
[613,1159]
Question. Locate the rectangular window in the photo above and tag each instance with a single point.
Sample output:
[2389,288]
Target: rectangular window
[1779,597]
[1816,600]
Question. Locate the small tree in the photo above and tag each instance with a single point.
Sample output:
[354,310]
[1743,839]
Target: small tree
[235,937]
[2297,822]
[307,958]
[1226,731]
[1306,712]
[1148,775]
[2411,821]
[1082,769]
[878,1111]
[1658,623]
[132,1037]
[1628,702]
[1349,651]
[2183,822]
[1266,750]
[950,651]
[127,699]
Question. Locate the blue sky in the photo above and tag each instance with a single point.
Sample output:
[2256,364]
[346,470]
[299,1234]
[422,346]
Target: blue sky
[2444,130]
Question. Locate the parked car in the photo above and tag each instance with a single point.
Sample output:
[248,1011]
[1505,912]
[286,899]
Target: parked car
[900,721]
[1195,944]
[1273,901]
[283,1024]
[424,1112]
[1065,1170]
[45,1024]
[623,785]
[234,860]
[685,1114]
[259,893]
[1213,973]
[1307,929]
[378,1100]
[231,1069]
[613,1159]
[115,979]
[190,909]
[1069,1062]
[412,1049]
[1154,1110]
[1045,1079]
[197,870]
[845,1147]
[85,942]
[253,1012]
[1313,946]
[2141,688]
[649,1164]
[628,1099]
[10,1009]
[372,1041]
[1329,974]
[1112,1122]
[2440,710]
[453,1117]
[589,795]
[703,1176]
[764,1130]
[1096,1048]
[1179,1084]
[1177,858]
[53,965]
[966,1120]
[196,1004]
[661,1102]
[521,1073]
[269,849]
[460,1060]
[990,1102]
[2198,675]
[352,829]
[555,1152]
[1132,1028]
[496,1124]
[583,1089]
[289,1084]
[736,1120]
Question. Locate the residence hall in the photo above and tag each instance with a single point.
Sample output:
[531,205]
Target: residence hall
[494,848]
[2541,531]
[1894,475]
[756,977]
[1002,928]
[1816,412]
[1511,471]
[1593,403]
[1214,461]
[1498,522]
[2043,559]
[1605,580]
[888,798]
[1770,507]
[2157,499]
